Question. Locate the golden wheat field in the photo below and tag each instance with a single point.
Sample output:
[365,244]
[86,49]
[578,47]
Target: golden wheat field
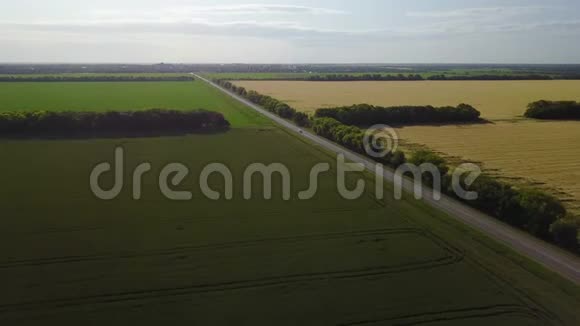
[495,99]
[544,152]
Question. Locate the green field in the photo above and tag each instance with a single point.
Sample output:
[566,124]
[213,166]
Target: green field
[69,259]
[141,74]
[99,96]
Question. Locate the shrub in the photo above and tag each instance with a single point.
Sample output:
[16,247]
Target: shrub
[554,110]
[397,158]
[565,233]
[301,119]
[528,209]
[541,211]
[425,156]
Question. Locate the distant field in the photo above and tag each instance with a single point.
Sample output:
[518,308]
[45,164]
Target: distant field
[547,152]
[88,96]
[259,75]
[302,75]
[424,74]
[495,99]
[97,75]
[67,258]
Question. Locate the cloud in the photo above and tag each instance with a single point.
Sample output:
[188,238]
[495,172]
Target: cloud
[250,28]
[284,30]
[189,12]
[489,20]
[560,26]
[178,22]
[487,12]
[245,9]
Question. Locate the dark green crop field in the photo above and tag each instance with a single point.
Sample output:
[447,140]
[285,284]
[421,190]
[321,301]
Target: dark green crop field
[68,258]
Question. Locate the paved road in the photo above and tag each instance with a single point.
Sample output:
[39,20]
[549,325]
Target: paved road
[561,262]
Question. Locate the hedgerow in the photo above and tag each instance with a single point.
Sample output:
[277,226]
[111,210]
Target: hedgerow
[48,123]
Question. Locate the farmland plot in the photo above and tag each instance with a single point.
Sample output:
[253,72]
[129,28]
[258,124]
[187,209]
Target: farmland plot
[103,96]
[545,152]
[68,258]
[207,261]
[496,100]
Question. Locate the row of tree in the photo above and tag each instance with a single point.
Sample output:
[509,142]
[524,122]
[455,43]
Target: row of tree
[554,110]
[94,78]
[363,77]
[490,77]
[536,212]
[269,103]
[352,138]
[366,115]
[450,69]
[418,77]
[67,123]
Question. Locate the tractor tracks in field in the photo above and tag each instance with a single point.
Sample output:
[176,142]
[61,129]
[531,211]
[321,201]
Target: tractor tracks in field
[451,256]
[461,314]
[225,245]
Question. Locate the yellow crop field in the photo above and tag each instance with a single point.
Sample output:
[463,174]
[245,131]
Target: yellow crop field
[544,152]
[497,100]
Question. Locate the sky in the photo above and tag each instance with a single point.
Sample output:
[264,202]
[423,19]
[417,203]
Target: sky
[278,31]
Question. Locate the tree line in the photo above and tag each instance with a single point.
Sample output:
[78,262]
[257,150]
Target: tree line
[363,77]
[534,211]
[269,103]
[554,70]
[70,123]
[352,138]
[491,77]
[410,77]
[554,110]
[366,115]
[418,77]
[130,78]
